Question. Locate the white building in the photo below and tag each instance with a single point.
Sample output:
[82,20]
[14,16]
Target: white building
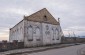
[40,28]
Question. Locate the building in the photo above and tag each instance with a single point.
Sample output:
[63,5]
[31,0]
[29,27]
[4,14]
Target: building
[40,28]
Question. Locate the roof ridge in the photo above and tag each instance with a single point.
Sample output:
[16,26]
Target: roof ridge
[35,12]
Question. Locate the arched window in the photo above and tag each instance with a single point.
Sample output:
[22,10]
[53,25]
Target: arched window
[47,27]
[21,30]
[57,34]
[30,33]
[37,33]
[47,32]
[53,34]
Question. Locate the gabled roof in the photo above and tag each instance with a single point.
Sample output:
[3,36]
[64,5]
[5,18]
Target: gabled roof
[42,16]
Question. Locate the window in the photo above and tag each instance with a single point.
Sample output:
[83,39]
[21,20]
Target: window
[17,29]
[30,39]
[38,39]
[47,27]
[47,32]
[53,34]
[57,34]
[45,18]
[37,30]
[30,33]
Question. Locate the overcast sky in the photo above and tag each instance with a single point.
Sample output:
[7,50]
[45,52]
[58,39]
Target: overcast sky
[70,12]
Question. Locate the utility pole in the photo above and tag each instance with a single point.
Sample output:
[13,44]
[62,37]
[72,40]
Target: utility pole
[69,34]
[74,34]
[74,37]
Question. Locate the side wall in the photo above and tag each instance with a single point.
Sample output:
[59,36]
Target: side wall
[17,32]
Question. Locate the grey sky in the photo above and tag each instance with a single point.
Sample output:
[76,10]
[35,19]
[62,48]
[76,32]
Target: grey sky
[71,12]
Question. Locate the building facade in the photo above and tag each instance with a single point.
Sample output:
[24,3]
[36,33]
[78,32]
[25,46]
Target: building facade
[40,28]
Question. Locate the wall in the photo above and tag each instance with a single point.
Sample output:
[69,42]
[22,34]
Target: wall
[37,34]
[51,34]
[33,35]
[17,32]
